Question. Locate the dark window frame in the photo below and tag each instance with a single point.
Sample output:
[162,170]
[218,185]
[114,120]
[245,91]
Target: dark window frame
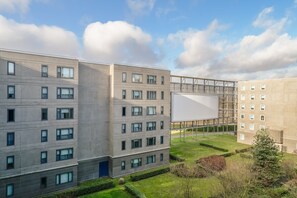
[136,143]
[60,136]
[43,182]
[10,142]
[69,116]
[151,79]
[124,128]
[58,178]
[43,160]
[124,111]
[139,127]
[60,157]
[59,73]
[9,117]
[44,114]
[44,138]
[43,73]
[12,194]
[123,145]
[44,95]
[9,95]
[138,113]
[65,96]
[9,73]
[10,165]
[151,141]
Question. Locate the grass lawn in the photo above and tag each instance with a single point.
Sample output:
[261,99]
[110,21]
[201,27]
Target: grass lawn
[118,192]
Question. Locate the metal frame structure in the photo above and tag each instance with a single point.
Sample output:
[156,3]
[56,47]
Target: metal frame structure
[224,89]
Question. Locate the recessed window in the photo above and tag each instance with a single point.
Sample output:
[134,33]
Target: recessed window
[151,126]
[65,72]
[162,125]
[123,94]
[124,77]
[137,143]
[9,190]
[252,97]
[136,163]
[151,111]
[43,135]
[252,106]
[242,88]
[10,162]
[64,178]
[262,106]
[10,68]
[123,111]
[43,182]
[64,134]
[252,117]
[44,114]
[151,95]
[241,137]
[242,97]
[123,165]
[161,139]
[162,95]
[253,87]
[242,116]
[263,87]
[44,92]
[136,94]
[243,106]
[252,127]
[162,80]
[10,139]
[123,128]
[64,113]
[136,111]
[43,157]
[136,127]
[64,154]
[162,110]
[11,92]
[44,71]
[137,78]
[151,159]
[65,93]
[123,145]
[242,125]
[262,97]
[262,118]
[10,115]
[151,141]
[151,79]
[161,157]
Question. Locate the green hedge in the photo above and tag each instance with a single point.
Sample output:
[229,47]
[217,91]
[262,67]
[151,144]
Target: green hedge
[228,154]
[243,150]
[140,176]
[83,189]
[133,191]
[176,158]
[214,147]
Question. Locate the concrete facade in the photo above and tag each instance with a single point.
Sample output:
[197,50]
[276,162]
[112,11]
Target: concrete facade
[268,104]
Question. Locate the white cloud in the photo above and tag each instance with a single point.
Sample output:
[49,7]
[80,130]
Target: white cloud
[14,5]
[118,42]
[140,7]
[41,39]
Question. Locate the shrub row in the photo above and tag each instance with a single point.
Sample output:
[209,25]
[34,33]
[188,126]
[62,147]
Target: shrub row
[140,176]
[213,163]
[228,154]
[176,158]
[247,156]
[83,190]
[134,191]
[243,150]
[214,147]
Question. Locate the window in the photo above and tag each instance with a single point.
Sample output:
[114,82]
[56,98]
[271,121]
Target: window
[252,97]
[242,88]
[123,165]
[162,110]
[243,106]
[151,126]
[151,159]
[43,135]
[252,106]
[252,126]
[10,162]
[64,154]
[151,79]
[124,77]
[262,97]
[135,163]
[162,125]
[43,182]
[11,92]
[123,128]
[43,157]
[136,111]
[151,141]
[64,178]
[242,125]
[252,87]
[64,134]
[137,78]
[10,115]
[252,116]
[262,118]
[10,139]
[162,139]
[151,95]
[44,92]
[9,190]
[43,114]
[65,72]
[263,87]
[123,94]
[137,143]
[162,80]
[241,136]
[123,111]
[242,97]
[136,94]
[162,95]
[242,116]
[161,157]
[10,68]
[123,145]
[136,127]
[151,111]
[262,107]
[64,113]
[65,93]
[44,71]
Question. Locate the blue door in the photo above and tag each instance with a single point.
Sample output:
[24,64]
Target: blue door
[103,169]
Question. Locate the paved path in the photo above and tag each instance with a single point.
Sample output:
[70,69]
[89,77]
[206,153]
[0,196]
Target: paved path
[189,134]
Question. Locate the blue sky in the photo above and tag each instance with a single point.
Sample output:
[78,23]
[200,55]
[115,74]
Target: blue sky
[228,39]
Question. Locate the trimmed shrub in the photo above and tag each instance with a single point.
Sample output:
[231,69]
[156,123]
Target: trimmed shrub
[175,158]
[140,176]
[182,170]
[228,154]
[246,156]
[121,181]
[213,163]
[134,191]
[243,150]
[214,147]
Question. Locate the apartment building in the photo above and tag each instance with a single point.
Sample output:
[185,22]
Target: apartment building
[64,121]
[268,104]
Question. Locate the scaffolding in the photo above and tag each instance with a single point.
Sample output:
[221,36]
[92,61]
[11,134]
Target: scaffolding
[227,94]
